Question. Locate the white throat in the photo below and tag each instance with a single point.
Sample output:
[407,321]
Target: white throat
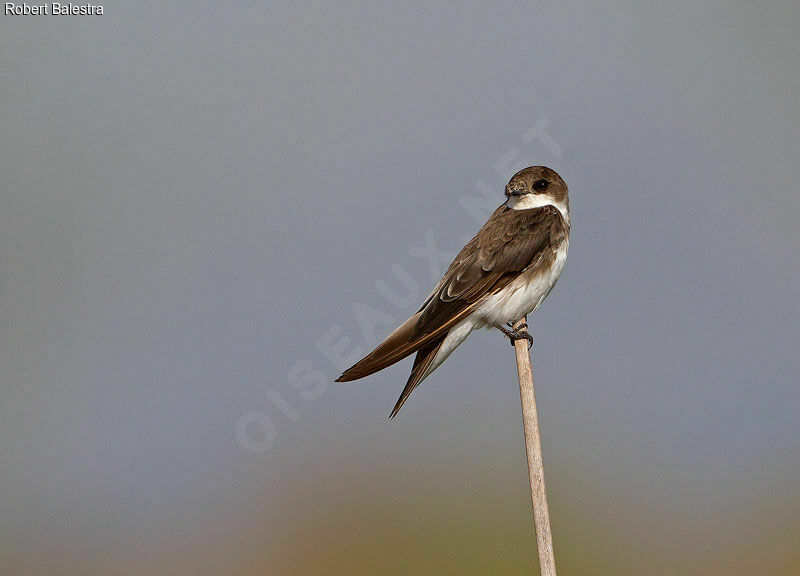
[529,201]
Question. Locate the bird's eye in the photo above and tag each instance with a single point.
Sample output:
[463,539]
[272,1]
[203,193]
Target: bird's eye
[541,185]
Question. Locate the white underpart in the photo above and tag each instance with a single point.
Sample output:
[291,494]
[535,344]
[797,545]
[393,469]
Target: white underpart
[520,298]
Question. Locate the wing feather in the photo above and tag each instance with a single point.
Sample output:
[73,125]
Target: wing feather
[509,242]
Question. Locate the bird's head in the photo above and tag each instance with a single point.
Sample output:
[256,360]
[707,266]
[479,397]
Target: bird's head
[536,186]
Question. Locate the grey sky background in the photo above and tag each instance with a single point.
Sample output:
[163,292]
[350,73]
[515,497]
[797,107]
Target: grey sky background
[195,195]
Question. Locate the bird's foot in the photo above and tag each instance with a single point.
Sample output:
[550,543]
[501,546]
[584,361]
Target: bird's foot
[521,333]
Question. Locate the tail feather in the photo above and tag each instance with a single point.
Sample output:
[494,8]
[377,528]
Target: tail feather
[422,362]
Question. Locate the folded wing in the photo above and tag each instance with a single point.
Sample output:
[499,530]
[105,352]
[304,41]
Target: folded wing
[509,242]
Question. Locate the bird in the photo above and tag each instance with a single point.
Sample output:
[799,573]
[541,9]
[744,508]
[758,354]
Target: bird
[500,276]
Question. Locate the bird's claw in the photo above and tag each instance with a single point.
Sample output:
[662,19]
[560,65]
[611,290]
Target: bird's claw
[521,333]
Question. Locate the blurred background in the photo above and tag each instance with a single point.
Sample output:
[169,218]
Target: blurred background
[210,209]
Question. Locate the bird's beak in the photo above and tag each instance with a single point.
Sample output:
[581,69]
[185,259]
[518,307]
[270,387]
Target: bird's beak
[521,192]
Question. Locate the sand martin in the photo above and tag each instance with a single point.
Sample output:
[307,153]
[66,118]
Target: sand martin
[501,275]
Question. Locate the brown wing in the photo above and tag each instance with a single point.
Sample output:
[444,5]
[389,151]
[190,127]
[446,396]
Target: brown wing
[509,242]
